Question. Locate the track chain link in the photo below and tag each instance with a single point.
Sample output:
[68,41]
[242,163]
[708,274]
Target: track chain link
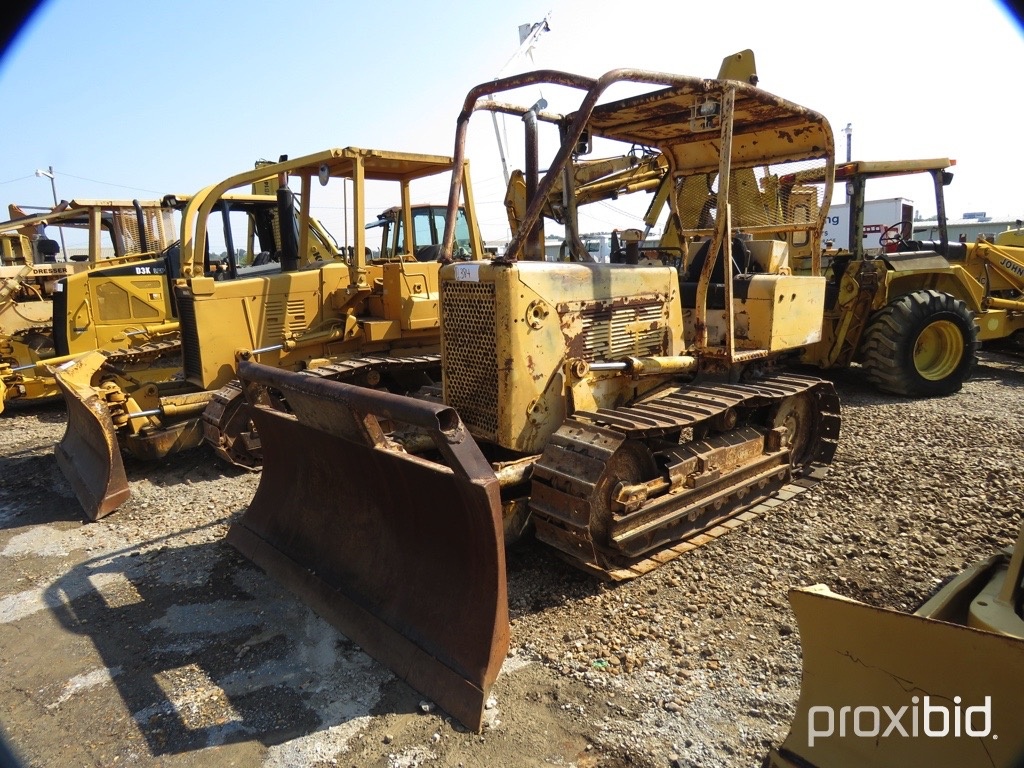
[567,475]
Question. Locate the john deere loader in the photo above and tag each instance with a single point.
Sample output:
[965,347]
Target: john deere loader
[938,687]
[624,413]
[344,318]
[119,234]
[913,312]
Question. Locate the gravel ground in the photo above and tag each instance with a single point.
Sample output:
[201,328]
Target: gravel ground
[145,640]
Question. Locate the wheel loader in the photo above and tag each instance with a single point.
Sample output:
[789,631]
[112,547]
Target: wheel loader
[343,318]
[912,312]
[623,413]
[119,233]
[938,687]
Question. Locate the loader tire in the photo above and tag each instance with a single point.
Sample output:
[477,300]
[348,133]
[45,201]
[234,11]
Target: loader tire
[923,344]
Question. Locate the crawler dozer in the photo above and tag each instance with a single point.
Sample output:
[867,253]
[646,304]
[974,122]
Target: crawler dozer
[124,305]
[120,235]
[938,687]
[913,312]
[342,318]
[624,413]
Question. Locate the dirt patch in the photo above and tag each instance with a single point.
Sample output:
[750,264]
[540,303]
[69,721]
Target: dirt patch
[145,640]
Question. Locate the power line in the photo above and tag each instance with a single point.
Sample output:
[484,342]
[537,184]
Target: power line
[20,178]
[107,183]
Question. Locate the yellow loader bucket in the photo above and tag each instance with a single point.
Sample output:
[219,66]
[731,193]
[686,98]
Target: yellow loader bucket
[883,688]
[88,454]
[403,555]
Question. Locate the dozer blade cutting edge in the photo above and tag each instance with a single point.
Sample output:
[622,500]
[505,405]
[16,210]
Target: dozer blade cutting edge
[88,454]
[403,555]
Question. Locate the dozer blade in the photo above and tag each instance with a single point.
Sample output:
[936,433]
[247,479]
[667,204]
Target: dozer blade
[403,555]
[88,454]
[883,688]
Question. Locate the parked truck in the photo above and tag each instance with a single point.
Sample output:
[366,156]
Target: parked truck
[878,215]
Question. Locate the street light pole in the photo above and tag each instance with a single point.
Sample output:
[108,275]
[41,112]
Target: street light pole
[53,187]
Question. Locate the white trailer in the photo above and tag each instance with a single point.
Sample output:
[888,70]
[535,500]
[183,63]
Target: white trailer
[878,214]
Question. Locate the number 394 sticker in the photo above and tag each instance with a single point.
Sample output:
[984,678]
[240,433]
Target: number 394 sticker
[467,273]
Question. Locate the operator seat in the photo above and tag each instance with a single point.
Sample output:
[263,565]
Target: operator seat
[427,252]
[49,249]
[716,289]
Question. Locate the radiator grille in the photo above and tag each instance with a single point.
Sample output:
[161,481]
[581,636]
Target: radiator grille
[612,333]
[470,357]
[189,336]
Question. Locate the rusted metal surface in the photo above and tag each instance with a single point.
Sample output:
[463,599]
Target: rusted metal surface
[663,118]
[88,454]
[163,442]
[227,427]
[403,555]
[598,495]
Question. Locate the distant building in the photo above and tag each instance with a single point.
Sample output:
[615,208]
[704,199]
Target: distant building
[967,228]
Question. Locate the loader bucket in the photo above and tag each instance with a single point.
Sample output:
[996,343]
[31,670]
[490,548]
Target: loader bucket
[884,688]
[403,555]
[88,454]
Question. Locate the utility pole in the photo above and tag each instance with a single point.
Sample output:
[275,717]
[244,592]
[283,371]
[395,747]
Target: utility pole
[529,34]
[53,187]
[849,155]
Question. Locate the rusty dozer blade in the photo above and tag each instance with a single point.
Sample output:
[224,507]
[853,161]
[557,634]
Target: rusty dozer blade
[403,555]
[887,689]
[88,454]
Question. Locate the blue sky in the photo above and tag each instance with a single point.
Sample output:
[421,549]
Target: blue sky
[130,99]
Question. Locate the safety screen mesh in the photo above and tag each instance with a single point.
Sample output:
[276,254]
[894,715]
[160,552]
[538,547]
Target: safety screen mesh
[159,226]
[768,198]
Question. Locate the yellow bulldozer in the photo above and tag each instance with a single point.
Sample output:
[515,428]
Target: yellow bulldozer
[340,316]
[625,413]
[887,689]
[913,312]
[32,261]
[124,305]
[119,234]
